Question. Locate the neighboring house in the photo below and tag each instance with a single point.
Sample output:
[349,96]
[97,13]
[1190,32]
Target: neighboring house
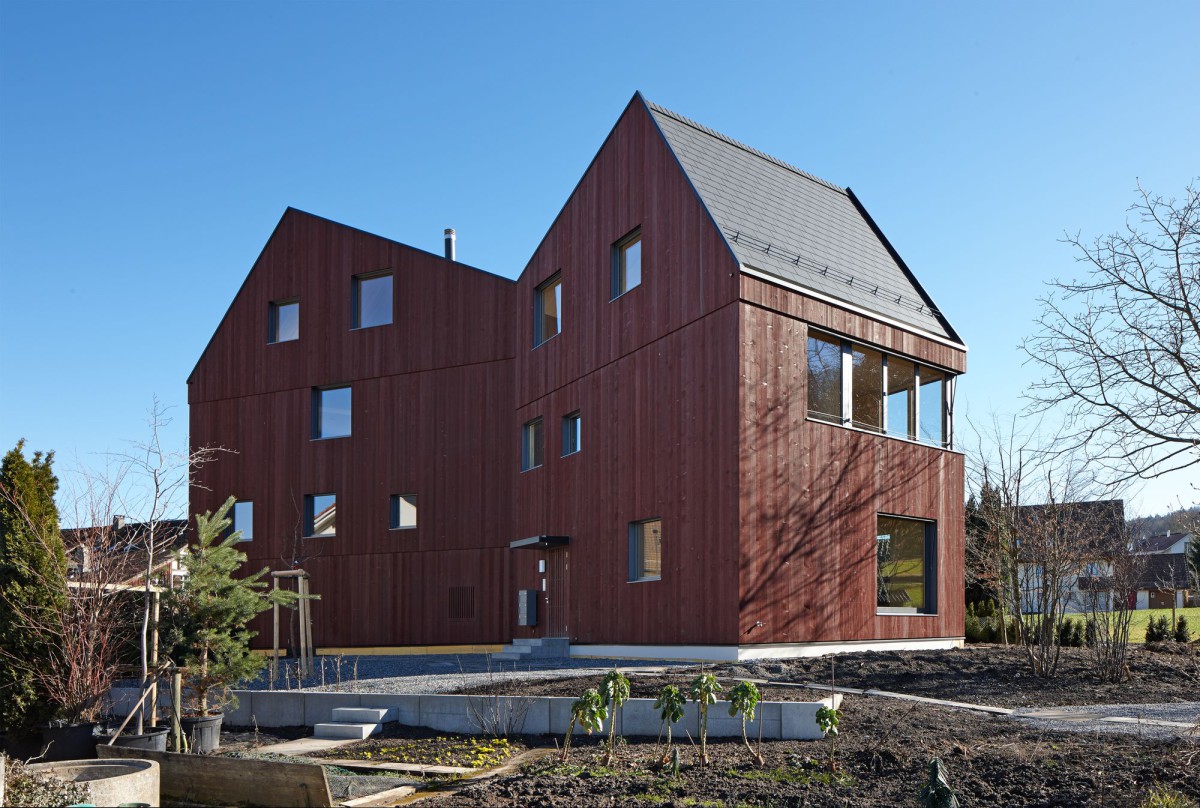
[1165,575]
[119,549]
[1071,540]
[713,418]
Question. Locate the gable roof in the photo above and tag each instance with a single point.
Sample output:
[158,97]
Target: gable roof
[1160,543]
[790,225]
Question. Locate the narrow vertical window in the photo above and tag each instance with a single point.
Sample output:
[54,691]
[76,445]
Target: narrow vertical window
[372,300]
[572,434]
[901,403]
[284,321]
[824,378]
[320,515]
[866,385]
[404,511]
[331,412]
[645,550]
[532,444]
[932,406]
[243,519]
[547,310]
[627,263]
[905,551]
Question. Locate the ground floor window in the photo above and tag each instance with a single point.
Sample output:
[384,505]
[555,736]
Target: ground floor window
[645,550]
[905,551]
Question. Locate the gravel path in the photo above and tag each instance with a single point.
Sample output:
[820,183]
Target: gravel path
[439,673]
[1166,721]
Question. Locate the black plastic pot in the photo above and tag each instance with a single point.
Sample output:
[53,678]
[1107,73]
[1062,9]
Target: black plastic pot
[203,733]
[70,741]
[155,740]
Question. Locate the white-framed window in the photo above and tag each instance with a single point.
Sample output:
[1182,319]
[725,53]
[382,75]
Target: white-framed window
[284,321]
[572,433]
[331,412]
[372,300]
[547,310]
[320,515]
[532,444]
[404,511]
[906,565]
[627,263]
[645,550]
[243,519]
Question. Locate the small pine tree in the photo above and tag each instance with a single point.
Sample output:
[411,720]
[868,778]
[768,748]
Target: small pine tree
[33,574]
[1182,632]
[209,612]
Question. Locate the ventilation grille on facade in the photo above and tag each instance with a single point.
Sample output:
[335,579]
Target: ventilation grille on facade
[462,603]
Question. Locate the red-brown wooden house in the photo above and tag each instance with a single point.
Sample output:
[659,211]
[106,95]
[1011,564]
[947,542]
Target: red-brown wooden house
[711,419]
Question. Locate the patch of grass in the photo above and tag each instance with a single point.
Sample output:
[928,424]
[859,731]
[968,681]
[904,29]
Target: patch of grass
[1141,618]
[1165,798]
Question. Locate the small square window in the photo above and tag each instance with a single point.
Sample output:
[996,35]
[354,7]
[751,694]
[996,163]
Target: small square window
[906,558]
[572,433]
[331,412]
[284,321]
[320,515]
[404,511]
[627,263]
[372,300]
[547,310]
[645,550]
[532,444]
[243,519]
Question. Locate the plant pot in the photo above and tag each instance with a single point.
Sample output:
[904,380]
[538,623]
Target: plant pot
[112,782]
[70,741]
[153,740]
[203,733]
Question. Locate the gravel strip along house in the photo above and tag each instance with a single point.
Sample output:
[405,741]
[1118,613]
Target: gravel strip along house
[711,419]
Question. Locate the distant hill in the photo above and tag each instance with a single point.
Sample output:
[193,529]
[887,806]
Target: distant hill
[1183,521]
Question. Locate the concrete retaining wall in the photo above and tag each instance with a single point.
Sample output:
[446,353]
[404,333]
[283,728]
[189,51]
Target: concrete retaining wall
[536,715]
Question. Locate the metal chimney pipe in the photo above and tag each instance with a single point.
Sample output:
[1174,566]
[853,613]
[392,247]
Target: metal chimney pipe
[450,239]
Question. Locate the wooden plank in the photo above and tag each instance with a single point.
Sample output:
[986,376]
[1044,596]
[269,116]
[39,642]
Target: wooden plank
[217,780]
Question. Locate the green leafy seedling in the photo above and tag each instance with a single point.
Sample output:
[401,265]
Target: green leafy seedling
[743,700]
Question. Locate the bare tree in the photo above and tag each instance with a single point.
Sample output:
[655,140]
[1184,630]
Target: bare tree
[1120,349]
[1109,598]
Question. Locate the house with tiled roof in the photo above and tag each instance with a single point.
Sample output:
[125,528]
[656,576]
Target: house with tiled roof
[711,419]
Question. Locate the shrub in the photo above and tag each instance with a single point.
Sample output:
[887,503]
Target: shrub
[1158,629]
[744,699]
[614,691]
[1071,633]
[587,711]
[24,787]
[670,704]
[704,692]
[1182,632]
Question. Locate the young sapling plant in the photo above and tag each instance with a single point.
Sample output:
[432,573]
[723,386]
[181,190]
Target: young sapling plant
[744,699]
[587,711]
[614,690]
[670,704]
[705,688]
[828,721]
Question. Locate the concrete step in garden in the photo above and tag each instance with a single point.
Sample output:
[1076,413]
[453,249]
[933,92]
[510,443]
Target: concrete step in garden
[360,715]
[535,648]
[358,731]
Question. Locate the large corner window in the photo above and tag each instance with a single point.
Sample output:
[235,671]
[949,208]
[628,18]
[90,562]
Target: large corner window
[372,300]
[861,387]
[320,515]
[645,550]
[547,310]
[906,554]
[243,519]
[824,378]
[572,433]
[404,511]
[627,263]
[532,444]
[284,325]
[331,412]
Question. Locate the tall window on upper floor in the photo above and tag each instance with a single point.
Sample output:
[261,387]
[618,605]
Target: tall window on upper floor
[284,325]
[532,444]
[331,412]
[572,433]
[320,515]
[906,566]
[547,310]
[243,519]
[901,403]
[866,386]
[931,406]
[825,378]
[627,263]
[372,300]
[404,511]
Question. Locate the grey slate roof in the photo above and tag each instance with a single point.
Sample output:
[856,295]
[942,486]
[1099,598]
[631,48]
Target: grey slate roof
[789,224]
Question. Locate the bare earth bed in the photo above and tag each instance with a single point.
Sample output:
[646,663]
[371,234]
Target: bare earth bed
[886,745]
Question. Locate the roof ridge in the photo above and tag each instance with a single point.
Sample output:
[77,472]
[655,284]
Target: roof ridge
[738,144]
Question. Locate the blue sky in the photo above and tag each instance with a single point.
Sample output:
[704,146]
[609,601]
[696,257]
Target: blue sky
[148,149]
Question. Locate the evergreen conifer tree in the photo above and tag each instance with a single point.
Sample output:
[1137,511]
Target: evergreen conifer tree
[33,573]
[209,612]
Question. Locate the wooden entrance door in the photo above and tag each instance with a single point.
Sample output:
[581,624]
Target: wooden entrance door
[556,594]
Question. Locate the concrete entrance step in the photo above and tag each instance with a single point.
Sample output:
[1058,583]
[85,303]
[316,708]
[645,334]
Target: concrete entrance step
[527,648]
[357,731]
[360,715]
